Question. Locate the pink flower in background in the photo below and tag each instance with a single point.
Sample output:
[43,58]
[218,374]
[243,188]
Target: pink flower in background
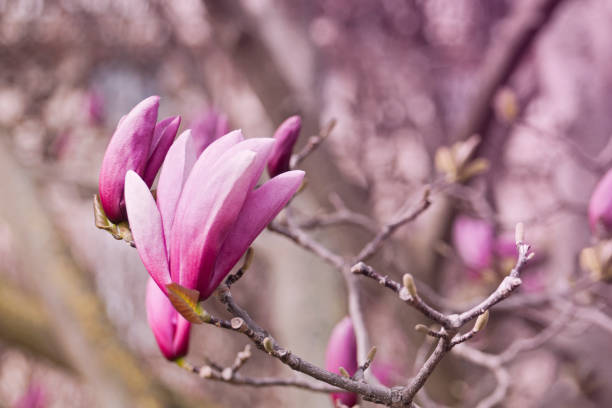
[474,241]
[600,206]
[95,107]
[285,137]
[342,352]
[34,397]
[206,128]
[385,373]
[138,144]
[170,329]
[207,212]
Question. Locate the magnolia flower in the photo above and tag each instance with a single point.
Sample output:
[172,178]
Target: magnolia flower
[206,128]
[34,397]
[286,135]
[138,144]
[342,352]
[474,241]
[95,107]
[170,329]
[600,206]
[207,212]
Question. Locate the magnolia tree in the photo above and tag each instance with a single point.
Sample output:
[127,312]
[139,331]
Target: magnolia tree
[195,224]
[416,212]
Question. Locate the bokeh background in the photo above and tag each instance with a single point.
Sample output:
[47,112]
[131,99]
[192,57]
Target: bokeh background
[402,78]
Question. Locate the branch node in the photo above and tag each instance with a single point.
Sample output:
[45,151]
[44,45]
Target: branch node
[206,372]
[227,373]
[238,324]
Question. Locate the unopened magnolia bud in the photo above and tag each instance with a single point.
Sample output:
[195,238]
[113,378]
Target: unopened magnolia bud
[422,328]
[341,354]
[519,233]
[343,372]
[408,282]
[285,137]
[600,207]
[267,343]
[372,353]
[481,321]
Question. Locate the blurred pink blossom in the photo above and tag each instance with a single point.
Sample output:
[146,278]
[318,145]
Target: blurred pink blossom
[342,352]
[474,241]
[208,127]
[600,206]
[34,397]
[95,107]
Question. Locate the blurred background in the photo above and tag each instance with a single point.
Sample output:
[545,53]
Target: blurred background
[402,78]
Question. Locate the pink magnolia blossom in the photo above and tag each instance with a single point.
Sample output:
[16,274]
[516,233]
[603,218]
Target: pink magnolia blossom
[474,241]
[170,329]
[95,107]
[600,206]
[34,397]
[206,128]
[138,144]
[207,212]
[385,372]
[342,352]
[285,137]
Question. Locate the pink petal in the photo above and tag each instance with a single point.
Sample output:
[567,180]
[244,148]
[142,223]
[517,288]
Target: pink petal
[175,170]
[160,315]
[286,135]
[342,352]
[263,147]
[209,205]
[207,128]
[127,150]
[170,329]
[215,150]
[146,225]
[600,206]
[180,344]
[474,240]
[260,207]
[163,136]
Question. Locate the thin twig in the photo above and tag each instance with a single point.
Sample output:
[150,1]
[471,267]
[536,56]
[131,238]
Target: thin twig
[415,301]
[306,242]
[387,230]
[313,143]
